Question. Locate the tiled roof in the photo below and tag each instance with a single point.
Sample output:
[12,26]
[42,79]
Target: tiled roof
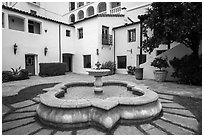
[37,16]
[99,15]
[126,25]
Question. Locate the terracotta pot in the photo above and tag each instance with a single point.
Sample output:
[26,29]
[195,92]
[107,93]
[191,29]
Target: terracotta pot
[160,76]
[139,73]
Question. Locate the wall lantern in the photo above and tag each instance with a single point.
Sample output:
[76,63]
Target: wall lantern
[97,51]
[45,51]
[15,48]
[130,51]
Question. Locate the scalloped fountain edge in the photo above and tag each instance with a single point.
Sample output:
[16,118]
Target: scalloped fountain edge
[64,113]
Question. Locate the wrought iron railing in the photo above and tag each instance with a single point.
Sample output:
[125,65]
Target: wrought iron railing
[106,39]
[115,10]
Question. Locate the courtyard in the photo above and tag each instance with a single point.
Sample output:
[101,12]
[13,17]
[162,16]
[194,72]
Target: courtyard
[181,113]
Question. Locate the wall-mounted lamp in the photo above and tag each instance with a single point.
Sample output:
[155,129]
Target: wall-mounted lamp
[15,48]
[130,51]
[97,51]
[45,51]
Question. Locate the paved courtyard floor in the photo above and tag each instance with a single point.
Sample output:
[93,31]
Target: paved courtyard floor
[182,108]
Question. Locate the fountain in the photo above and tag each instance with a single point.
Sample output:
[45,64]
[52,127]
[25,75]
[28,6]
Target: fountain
[98,74]
[74,104]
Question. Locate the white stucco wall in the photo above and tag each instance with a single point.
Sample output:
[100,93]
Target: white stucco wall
[92,40]
[46,9]
[107,51]
[123,47]
[87,45]
[29,43]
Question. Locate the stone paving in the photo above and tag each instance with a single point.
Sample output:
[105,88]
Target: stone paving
[177,117]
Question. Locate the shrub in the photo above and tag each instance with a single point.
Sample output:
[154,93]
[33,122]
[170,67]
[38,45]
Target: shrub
[109,65]
[160,63]
[188,69]
[7,76]
[23,74]
[52,69]
[15,74]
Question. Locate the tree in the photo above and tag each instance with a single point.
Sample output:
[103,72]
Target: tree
[173,21]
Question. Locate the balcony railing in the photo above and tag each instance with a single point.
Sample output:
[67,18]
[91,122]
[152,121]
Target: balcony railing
[106,39]
[35,3]
[115,10]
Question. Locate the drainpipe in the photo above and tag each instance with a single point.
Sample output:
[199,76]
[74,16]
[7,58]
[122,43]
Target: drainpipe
[114,47]
[140,56]
[60,52]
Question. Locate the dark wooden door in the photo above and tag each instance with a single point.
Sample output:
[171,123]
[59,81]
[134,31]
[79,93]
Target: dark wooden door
[67,59]
[30,64]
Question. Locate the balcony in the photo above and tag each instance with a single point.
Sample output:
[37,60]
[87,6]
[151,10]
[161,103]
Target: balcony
[115,10]
[106,39]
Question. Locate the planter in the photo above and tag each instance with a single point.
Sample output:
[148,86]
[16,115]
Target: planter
[139,73]
[160,76]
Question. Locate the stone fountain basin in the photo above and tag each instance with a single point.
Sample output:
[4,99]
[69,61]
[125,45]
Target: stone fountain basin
[98,72]
[107,112]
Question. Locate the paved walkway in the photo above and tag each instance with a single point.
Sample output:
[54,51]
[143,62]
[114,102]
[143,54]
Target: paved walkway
[181,109]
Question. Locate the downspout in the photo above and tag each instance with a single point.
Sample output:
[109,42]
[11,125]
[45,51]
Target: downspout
[60,52]
[140,56]
[114,49]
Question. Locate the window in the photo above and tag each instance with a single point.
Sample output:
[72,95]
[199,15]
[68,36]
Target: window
[72,18]
[79,4]
[80,33]
[132,35]
[101,7]
[72,6]
[115,4]
[90,11]
[33,27]
[2,20]
[68,33]
[87,61]
[106,38]
[32,12]
[80,15]
[143,59]
[122,63]
[16,23]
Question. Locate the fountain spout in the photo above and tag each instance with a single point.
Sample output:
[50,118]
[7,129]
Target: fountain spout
[98,64]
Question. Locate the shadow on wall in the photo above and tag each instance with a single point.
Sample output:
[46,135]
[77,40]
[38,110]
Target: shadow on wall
[178,51]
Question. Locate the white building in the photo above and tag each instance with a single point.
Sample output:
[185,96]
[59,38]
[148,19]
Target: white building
[77,33]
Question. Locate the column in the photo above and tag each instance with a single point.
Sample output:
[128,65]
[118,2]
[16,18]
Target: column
[6,20]
[25,25]
[108,7]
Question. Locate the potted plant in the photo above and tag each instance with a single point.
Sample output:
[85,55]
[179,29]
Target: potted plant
[109,65]
[131,70]
[161,64]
